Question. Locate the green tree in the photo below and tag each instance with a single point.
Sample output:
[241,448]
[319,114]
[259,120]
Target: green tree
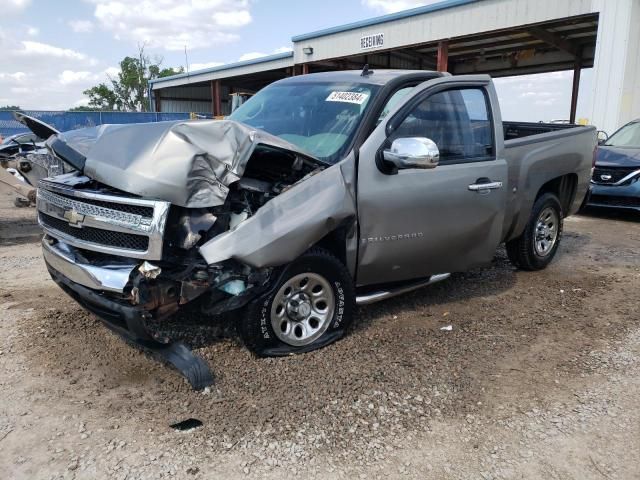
[85,108]
[128,92]
[101,97]
[10,107]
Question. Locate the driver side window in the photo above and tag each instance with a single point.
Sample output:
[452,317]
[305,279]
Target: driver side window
[457,120]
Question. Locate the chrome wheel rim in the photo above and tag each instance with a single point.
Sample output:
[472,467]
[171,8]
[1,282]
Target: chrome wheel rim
[546,234]
[302,309]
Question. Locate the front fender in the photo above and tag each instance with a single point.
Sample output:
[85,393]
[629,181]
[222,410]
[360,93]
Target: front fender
[289,224]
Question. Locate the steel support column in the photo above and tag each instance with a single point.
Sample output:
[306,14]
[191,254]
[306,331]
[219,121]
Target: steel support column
[216,108]
[577,68]
[443,56]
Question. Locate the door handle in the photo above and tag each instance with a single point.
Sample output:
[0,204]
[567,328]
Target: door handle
[479,187]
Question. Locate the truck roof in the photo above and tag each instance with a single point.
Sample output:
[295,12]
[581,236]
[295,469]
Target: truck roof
[375,77]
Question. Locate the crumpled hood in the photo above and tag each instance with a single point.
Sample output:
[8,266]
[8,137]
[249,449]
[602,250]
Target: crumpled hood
[618,157]
[38,127]
[188,163]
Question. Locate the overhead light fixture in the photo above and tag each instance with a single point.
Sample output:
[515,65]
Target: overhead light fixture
[307,50]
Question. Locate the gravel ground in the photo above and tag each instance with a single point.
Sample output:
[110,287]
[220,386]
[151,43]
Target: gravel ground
[538,378]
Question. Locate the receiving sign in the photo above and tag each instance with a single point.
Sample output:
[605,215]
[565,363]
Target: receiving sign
[372,41]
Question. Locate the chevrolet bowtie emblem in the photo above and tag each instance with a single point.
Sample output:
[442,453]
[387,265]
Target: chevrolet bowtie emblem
[73,217]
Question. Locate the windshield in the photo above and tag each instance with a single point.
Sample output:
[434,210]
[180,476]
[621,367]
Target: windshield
[627,136]
[319,118]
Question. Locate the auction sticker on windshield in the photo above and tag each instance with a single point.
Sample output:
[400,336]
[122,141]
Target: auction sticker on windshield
[348,97]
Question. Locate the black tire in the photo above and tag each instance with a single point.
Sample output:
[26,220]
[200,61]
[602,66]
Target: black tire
[256,328]
[522,251]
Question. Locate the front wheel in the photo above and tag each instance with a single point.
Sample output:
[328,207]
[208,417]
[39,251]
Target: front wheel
[311,305]
[536,247]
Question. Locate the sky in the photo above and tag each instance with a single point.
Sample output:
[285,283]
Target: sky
[50,51]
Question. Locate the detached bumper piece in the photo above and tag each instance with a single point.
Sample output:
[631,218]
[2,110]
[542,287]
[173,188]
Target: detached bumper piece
[128,321]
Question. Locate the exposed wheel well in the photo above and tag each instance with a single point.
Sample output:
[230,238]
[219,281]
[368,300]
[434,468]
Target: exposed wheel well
[564,188]
[335,242]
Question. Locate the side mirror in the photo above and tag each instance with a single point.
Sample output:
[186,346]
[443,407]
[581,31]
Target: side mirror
[602,137]
[413,152]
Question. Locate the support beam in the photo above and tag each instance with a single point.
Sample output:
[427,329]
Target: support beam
[416,57]
[343,64]
[305,68]
[577,68]
[156,99]
[216,107]
[400,54]
[423,57]
[499,52]
[554,40]
[443,56]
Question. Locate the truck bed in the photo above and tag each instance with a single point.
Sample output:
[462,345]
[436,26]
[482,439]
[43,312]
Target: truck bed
[518,133]
[513,130]
[538,152]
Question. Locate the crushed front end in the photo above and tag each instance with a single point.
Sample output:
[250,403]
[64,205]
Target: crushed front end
[133,262]
[199,216]
[98,246]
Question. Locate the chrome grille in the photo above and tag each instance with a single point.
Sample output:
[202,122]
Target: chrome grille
[128,241]
[85,208]
[121,207]
[614,176]
[92,220]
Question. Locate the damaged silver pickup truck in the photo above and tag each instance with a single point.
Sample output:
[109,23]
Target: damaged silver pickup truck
[323,191]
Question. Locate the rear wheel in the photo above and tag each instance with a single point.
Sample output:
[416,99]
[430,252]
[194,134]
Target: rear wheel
[538,244]
[310,306]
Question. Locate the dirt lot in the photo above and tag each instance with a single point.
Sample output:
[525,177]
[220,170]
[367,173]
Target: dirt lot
[539,378]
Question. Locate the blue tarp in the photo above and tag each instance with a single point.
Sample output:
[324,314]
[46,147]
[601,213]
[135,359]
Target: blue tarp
[64,121]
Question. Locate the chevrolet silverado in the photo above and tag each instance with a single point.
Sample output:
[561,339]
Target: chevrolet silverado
[321,192]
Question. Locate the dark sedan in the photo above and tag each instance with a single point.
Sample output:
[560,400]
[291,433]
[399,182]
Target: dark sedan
[616,178]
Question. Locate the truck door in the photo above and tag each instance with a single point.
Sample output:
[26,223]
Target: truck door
[415,219]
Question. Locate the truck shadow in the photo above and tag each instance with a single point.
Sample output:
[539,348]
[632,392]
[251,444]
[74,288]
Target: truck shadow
[432,302]
[197,331]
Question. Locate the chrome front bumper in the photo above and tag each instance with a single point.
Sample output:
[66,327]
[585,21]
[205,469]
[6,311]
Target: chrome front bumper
[107,277]
[85,284]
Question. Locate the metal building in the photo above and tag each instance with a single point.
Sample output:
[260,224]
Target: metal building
[499,37]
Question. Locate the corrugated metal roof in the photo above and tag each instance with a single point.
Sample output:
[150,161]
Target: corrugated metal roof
[434,7]
[227,66]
